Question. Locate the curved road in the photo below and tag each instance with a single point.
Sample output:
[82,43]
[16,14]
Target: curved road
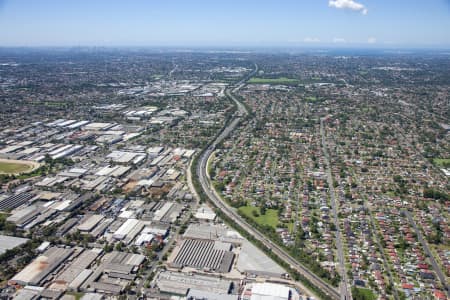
[201,171]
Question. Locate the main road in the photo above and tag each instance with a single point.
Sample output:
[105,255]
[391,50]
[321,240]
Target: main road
[428,252]
[231,213]
[345,291]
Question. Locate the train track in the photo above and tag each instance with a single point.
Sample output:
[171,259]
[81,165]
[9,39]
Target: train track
[231,213]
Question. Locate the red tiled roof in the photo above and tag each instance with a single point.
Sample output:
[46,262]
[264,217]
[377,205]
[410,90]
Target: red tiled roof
[407,286]
[439,295]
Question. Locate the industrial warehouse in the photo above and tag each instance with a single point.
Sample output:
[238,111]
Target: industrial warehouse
[42,267]
[62,269]
[205,255]
[181,283]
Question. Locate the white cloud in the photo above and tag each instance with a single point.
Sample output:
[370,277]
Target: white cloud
[311,40]
[371,40]
[339,40]
[348,4]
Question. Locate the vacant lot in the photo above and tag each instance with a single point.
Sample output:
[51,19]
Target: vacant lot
[360,293]
[16,166]
[281,80]
[269,218]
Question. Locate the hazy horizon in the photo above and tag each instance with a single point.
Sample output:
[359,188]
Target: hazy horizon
[200,23]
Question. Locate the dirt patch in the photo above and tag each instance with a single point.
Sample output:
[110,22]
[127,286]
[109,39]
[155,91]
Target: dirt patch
[16,167]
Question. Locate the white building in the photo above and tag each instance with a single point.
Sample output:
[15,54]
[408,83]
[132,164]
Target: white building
[125,229]
[269,291]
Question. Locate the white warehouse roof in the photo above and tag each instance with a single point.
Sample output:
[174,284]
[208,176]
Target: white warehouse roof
[269,291]
[125,229]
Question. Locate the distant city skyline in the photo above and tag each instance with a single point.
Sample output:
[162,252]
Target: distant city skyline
[305,23]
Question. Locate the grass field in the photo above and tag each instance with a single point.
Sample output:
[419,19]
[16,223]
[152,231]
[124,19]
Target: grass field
[16,167]
[281,80]
[365,294]
[311,99]
[76,295]
[269,218]
[442,162]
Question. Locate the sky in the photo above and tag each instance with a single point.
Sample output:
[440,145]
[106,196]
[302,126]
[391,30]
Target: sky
[314,23]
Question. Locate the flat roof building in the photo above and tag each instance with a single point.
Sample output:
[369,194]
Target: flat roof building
[90,222]
[204,254]
[10,242]
[127,228]
[268,291]
[180,283]
[205,213]
[36,272]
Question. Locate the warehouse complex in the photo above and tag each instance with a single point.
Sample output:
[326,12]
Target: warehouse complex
[63,269]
